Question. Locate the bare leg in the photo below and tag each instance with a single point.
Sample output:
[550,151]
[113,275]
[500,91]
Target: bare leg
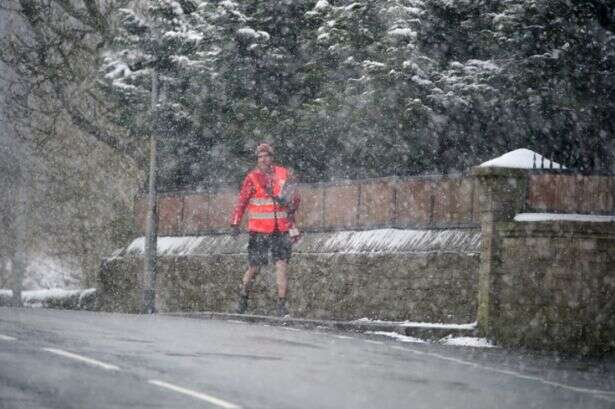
[248,278]
[281,277]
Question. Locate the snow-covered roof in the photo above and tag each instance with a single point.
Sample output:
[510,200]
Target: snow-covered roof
[521,159]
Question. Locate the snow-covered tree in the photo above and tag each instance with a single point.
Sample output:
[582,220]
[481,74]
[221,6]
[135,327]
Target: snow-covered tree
[561,60]
[368,88]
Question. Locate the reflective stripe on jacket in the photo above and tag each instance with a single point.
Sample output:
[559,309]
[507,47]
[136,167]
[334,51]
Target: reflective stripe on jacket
[265,215]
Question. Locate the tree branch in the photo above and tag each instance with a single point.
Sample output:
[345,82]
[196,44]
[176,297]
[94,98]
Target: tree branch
[79,120]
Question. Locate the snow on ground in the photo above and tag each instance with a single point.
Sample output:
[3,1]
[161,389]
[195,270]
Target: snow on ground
[41,298]
[449,340]
[467,342]
[415,324]
[399,337]
[521,159]
[411,324]
[44,272]
[6,296]
[575,217]
[37,297]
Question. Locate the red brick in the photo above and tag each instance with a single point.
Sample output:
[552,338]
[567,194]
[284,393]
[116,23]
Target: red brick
[341,206]
[221,207]
[542,192]
[452,201]
[140,213]
[566,192]
[169,215]
[571,193]
[598,194]
[196,210]
[310,214]
[376,208]
[414,202]
[586,188]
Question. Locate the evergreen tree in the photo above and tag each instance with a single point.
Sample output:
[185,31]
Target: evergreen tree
[371,88]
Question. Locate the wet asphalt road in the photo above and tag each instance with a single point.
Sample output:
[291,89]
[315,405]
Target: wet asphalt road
[71,359]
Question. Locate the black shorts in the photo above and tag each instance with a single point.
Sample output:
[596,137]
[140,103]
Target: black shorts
[260,243]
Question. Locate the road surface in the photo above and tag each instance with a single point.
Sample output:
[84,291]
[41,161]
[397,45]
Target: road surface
[84,360]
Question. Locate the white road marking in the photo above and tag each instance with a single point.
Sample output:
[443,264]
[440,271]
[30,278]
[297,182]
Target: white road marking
[373,342]
[7,338]
[82,359]
[342,337]
[291,329]
[598,393]
[198,395]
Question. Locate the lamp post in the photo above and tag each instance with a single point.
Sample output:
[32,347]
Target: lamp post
[151,226]
[20,253]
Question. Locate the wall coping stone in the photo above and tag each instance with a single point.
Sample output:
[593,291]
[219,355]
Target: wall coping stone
[557,228]
[502,172]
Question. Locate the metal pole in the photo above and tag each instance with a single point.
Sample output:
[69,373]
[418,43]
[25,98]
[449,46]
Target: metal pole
[20,256]
[151,227]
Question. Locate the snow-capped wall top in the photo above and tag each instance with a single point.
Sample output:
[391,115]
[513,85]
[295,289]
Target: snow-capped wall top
[341,242]
[168,246]
[521,159]
[394,240]
[572,217]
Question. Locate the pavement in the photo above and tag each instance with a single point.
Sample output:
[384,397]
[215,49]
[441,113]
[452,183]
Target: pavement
[425,331]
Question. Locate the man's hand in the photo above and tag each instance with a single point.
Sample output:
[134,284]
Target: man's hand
[294,235]
[235,230]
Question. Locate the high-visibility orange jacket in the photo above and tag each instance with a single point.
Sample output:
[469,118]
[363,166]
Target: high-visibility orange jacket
[260,193]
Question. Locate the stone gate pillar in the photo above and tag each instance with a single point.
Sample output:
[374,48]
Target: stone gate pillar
[502,194]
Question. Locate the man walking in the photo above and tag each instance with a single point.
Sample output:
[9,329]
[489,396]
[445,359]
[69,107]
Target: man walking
[271,201]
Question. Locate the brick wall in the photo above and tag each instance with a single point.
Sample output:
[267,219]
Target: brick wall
[419,202]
